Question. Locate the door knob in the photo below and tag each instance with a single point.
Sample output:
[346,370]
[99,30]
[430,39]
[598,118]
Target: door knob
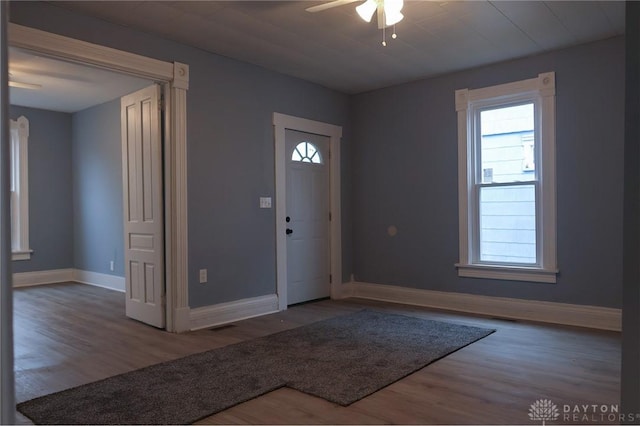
[289,231]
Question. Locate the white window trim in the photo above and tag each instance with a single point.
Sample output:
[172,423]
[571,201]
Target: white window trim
[20,169]
[542,87]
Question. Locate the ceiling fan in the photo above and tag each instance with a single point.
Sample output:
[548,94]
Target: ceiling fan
[389,11]
[22,85]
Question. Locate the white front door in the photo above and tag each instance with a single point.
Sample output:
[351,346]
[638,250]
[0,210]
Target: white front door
[143,206]
[307,218]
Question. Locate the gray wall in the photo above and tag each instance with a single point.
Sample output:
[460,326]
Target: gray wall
[630,389]
[230,151]
[50,212]
[98,235]
[75,189]
[405,174]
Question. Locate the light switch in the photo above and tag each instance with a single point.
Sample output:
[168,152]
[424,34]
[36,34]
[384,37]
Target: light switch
[265,202]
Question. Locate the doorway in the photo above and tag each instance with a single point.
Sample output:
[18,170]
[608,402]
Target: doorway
[332,134]
[75,184]
[175,77]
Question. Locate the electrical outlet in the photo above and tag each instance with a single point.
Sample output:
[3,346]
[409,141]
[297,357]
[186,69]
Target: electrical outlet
[112,266]
[203,276]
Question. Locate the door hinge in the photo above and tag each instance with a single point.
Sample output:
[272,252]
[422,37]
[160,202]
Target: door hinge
[329,216]
[161,104]
[330,279]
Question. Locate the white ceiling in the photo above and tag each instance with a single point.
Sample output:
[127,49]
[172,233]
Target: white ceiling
[336,49]
[333,48]
[65,86]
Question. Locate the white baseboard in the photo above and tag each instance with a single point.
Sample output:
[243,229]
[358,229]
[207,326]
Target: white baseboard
[28,279]
[112,282]
[532,310]
[224,313]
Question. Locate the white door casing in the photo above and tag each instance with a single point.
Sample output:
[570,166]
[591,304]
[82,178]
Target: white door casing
[282,122]
[176,78]
[7,382]
[307,216]
[143,206]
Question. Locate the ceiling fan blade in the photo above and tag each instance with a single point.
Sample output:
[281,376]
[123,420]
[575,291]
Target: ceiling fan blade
[60,73]
[329,5]
[21,85]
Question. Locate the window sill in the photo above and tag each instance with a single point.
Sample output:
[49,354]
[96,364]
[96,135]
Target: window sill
[510,273]
[21,255]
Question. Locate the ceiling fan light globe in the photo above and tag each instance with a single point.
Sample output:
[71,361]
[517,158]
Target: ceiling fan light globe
[393,6]
[393,18]
[367,9]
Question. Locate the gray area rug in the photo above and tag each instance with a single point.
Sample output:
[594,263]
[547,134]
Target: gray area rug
[342,360]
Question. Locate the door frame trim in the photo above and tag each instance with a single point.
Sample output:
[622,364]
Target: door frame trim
[281,122]
[175,77]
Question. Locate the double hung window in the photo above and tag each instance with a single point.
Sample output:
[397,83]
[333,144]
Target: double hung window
[506,153]
[19,189]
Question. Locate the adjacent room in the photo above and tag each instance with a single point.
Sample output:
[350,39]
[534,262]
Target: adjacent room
[324,212]
[73,166]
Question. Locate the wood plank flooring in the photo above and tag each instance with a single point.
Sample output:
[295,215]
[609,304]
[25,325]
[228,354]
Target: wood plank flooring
[70,334]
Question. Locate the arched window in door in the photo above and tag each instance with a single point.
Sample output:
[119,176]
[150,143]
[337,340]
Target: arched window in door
[306,152]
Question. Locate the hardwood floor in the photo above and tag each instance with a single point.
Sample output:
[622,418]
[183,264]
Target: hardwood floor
[70,334]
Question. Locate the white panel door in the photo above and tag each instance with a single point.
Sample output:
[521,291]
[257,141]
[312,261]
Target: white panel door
[307,218]
[143,206]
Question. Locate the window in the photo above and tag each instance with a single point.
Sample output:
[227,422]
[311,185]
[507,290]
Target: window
[19,190]
[506,157]
[306,152]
